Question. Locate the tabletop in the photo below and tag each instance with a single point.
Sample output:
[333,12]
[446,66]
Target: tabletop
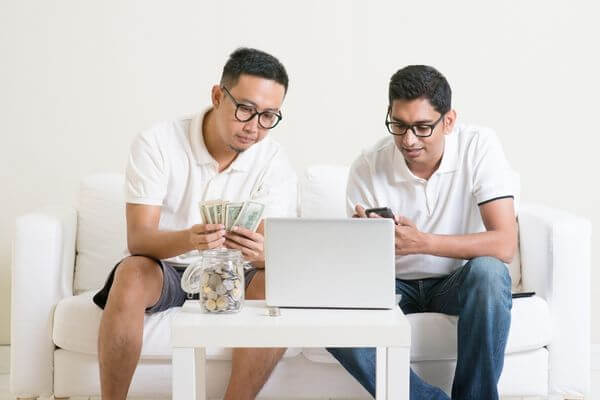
[294,327]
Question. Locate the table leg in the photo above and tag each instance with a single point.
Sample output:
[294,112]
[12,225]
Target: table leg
[381,372]
[189,373]
[398,372]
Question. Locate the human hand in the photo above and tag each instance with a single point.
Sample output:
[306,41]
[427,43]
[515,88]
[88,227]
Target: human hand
[250,243]
[207,236]
[408,239]
[359,212]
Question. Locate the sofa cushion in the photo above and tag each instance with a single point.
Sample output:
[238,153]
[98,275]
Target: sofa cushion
[101,230]
[77,319]
[322,192]
[434,335]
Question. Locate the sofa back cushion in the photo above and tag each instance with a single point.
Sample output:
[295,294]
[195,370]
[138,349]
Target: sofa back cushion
[322,191]
[101,230]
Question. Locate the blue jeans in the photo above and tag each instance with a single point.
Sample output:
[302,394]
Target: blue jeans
[479,293]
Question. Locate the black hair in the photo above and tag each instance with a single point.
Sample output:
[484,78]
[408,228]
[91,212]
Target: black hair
[421,81]
[253,62]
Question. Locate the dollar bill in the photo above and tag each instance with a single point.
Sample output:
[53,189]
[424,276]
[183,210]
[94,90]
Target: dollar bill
[250,215]
[246,214]
[217,213]
[223,211]
[232,211]
[207,211]
[204,214]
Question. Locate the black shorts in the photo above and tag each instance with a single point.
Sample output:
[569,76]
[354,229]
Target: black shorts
[172,294]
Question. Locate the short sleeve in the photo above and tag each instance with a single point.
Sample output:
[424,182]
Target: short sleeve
[146,173]
[359,189]
[492,176]
[278,189]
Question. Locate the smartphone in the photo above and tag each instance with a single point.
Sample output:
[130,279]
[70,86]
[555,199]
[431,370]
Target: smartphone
[384,212]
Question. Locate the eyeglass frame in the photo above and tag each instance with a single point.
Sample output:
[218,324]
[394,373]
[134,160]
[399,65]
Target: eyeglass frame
[411,127]
[256,112]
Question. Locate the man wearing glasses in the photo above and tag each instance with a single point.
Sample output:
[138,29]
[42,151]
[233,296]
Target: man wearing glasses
[450,188]
[223,153]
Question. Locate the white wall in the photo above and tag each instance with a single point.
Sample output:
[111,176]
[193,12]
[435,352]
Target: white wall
[78,79]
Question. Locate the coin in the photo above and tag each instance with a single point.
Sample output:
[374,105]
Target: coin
[221,303]
[236,293]
[221,289]
[212,296]
[214,280]
[273,311]
[207,289]
[210,305]
[228,284]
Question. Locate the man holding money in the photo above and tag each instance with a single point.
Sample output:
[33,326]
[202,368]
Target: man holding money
[222,155]
[451,191]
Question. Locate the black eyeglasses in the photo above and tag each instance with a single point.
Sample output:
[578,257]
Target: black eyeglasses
[244,113]
[419,130]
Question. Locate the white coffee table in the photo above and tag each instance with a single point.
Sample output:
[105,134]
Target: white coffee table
[192,332]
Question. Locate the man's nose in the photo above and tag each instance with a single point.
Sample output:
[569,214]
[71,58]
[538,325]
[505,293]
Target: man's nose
[252,125]
[409,139]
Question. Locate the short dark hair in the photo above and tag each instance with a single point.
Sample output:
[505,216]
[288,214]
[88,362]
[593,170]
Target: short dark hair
[253,62]
[421,81]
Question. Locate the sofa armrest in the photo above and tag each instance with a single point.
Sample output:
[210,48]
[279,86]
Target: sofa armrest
[555,259]
[42,274]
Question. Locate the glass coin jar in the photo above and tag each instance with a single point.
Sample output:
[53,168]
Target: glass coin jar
[218,278]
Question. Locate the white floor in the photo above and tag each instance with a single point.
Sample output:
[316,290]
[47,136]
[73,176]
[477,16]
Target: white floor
[5,395]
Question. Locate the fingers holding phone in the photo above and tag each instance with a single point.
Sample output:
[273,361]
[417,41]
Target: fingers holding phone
[377,212]
[359,212]
[382,212]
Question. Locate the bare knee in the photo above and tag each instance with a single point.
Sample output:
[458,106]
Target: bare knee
[137,283]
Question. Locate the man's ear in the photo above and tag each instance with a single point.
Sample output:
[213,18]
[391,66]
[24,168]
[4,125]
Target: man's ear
[449,120]
[216,95]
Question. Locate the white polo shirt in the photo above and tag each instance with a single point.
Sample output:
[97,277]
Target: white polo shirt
[473,171]
[169,166]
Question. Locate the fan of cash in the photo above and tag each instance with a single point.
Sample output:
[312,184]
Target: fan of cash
[246,214]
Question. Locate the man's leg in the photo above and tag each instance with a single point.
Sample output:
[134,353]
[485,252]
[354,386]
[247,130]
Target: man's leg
[251,367]
[480,294]
[360,362]
[483,326]
[137,285]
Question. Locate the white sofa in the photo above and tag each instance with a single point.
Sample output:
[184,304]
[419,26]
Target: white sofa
[62,254]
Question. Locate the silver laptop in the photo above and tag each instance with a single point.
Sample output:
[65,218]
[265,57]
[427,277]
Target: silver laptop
[330,263]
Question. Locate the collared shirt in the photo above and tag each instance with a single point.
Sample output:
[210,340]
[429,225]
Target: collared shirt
[170,166]
[473,171]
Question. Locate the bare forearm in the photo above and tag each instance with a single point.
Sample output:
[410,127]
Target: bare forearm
[159,244]
[497,244]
